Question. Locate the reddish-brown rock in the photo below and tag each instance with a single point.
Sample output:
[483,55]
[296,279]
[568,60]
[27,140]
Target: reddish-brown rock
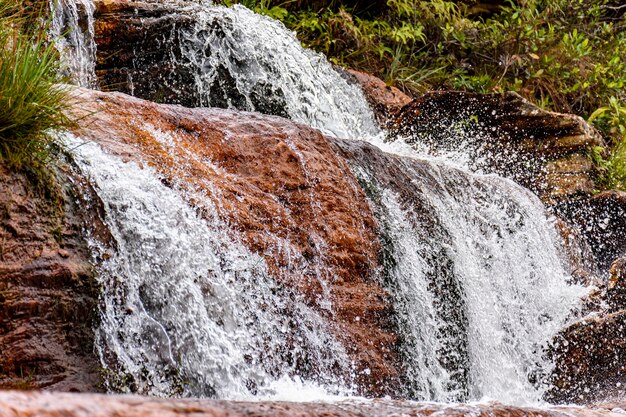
[47,289]
[281,186]
[20,404]
[386,101]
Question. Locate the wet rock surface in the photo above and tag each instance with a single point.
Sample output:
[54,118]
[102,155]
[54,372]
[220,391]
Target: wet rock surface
[280,185]
[543,151]
[601,220]
[590,357]
[590,354]
[386,101]
[21,404]
[47,288]
[158,67]
[391,173]
[145,69]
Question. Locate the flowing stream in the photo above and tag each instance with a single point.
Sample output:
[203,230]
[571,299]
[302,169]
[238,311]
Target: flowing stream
[473,261]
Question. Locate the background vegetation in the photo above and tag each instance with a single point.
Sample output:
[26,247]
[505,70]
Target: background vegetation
[32,101]
[566,56]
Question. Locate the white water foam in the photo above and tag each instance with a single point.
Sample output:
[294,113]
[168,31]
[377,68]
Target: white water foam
[494,240]
[259,51]
[502,248]
[186,308]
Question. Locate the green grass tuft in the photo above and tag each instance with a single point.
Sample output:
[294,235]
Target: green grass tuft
[32,97]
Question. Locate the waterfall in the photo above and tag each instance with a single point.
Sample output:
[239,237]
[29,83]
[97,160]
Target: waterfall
[475,269]
[472,261]
[186,308]
[72,31]
[248,61]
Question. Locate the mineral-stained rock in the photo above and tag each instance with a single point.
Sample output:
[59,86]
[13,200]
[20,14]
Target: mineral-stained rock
[47,291]
[281,186]
[504,133]
[19,404]
[384,100]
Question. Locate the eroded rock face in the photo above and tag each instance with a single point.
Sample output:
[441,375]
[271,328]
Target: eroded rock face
[47,287]
[280,185]
[504,133]
[18,404]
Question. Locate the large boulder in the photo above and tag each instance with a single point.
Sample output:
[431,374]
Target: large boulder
[590,356]
[290,198]
[544,151]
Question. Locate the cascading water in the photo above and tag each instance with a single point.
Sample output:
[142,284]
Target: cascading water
[474,267]
[187,310]
[472,261]
[72,30]
[261,59]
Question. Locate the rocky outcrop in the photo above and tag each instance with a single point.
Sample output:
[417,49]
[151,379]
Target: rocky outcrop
[504,133]
[590,354]
[47,289]
[386,101]
[18,404]
[280,185]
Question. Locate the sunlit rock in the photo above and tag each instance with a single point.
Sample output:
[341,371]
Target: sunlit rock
[279,189]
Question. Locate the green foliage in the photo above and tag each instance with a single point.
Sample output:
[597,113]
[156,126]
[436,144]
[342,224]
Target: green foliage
[31,98]
[612,167]
[563,55]
[611,163]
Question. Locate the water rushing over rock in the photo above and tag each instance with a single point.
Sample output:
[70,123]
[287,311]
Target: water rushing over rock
[250,62]
[231,57]
[474,266]
[186,309]
[228,271]
[72,30]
